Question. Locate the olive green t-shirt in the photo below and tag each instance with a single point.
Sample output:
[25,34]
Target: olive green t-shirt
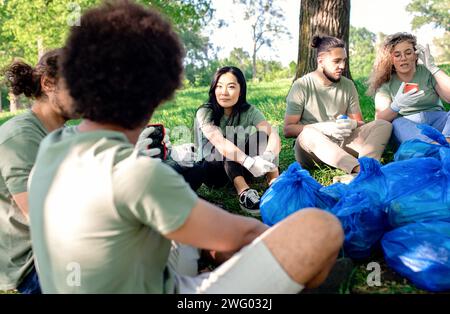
[316,102]
[19,142]
[429,102]
[99,212]
[235,130]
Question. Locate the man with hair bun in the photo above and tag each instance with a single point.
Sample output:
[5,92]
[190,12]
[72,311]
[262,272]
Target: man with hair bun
[106,218]
[323,113]
[19,142]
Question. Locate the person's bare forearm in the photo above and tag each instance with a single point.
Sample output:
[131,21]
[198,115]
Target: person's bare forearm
[386,114]
[292,130]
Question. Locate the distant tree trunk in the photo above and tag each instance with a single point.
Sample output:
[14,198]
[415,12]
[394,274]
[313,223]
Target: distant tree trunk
[40,47]
[254,61]
[327,17]
[13,102]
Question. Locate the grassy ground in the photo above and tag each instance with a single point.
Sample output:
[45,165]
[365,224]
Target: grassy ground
[270,99]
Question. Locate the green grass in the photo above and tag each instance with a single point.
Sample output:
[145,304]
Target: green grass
[269,97]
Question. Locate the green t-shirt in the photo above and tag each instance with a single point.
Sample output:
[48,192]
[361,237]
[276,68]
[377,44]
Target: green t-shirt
[19,142]
[429,102]
[98,214]
[316,102]
[234,130]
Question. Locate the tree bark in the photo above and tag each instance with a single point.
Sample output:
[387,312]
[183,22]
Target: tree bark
[13,102]
[327,17]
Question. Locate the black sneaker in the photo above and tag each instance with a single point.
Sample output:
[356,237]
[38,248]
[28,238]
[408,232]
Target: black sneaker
[249,202]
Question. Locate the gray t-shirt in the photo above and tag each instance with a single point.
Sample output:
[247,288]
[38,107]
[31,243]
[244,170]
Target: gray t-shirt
[19,142]
[429,102]
[236,131]
[99,212]
[316,102]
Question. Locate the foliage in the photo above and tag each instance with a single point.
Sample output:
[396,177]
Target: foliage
[437,13]
[443,47]
[266,22]
[425,12]
[362,51]
[29,26]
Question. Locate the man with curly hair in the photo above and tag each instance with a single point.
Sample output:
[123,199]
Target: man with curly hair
[107,219]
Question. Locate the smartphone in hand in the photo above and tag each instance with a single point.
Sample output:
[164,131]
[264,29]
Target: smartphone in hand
[158,140]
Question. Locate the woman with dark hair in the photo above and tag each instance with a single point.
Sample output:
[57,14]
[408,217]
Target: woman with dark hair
[234,139]
[396,66]
[19,142]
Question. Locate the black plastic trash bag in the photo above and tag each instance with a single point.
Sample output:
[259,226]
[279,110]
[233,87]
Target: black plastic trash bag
[421,253]
[293,190]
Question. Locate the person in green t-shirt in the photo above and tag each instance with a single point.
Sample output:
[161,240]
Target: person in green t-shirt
[19,142]
[323,113]
[394,67]
[234,139]
[106,218]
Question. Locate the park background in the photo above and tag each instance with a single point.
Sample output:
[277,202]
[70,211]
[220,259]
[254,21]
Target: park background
[268,40]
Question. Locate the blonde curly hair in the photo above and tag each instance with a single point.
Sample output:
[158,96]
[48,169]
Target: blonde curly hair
[383,67]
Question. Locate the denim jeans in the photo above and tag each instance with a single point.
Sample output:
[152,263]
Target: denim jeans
[30,284]
[405,128]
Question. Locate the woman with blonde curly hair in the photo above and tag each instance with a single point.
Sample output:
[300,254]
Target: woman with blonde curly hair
[396,67]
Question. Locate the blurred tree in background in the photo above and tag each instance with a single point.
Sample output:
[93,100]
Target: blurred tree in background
[362,51]
[436,13]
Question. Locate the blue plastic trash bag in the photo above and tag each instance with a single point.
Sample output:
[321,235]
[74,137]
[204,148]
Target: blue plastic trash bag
[293,190]
[417,148]
[409,176]
[364,222]
[427,191]
[421,253]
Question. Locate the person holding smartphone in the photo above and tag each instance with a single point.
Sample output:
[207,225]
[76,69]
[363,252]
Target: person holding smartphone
[105,217]
[396,65]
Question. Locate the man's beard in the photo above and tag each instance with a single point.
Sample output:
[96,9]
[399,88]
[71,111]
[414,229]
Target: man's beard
[330,77]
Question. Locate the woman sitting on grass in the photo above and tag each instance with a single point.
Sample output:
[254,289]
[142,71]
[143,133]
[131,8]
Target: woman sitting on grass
[234,139]
[396,64]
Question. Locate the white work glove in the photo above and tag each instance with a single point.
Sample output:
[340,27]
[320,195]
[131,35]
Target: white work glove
[331,129]
[269,156]
[144,141]
[184,154]
[258,166]
[344,122]
[427,59]
[403,100]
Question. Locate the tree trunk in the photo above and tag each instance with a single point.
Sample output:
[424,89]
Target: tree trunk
[1,107]
[13,102]
[327,17]
[40,47]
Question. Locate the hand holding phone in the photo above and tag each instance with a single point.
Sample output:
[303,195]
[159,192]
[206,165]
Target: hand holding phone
[157,140]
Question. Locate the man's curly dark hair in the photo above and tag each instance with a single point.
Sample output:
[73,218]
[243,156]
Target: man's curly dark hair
[121,63]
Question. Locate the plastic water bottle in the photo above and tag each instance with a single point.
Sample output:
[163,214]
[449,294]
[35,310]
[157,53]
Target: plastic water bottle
[340,119]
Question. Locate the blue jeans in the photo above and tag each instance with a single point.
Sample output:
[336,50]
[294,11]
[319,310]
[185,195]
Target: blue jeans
[30,284]
[404,128]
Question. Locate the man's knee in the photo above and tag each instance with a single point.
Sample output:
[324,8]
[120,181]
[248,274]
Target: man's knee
[323,226]
[382,124]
